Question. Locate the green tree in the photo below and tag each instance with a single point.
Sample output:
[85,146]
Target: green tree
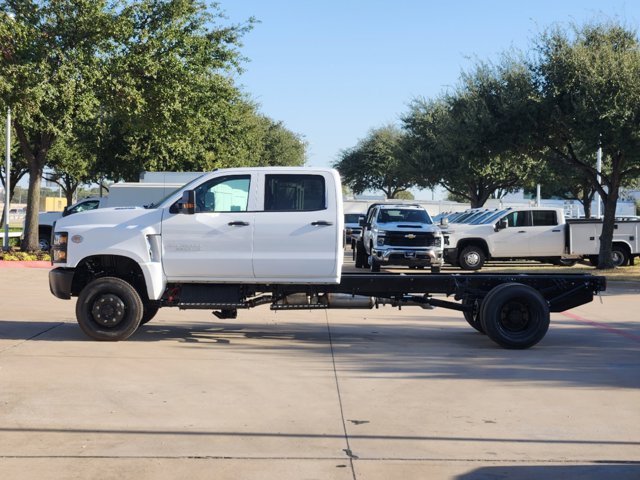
[471,141]
[133,68]
[589,84]
[381,161]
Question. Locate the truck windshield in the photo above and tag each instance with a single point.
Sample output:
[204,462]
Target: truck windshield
[389,215]
[186,186]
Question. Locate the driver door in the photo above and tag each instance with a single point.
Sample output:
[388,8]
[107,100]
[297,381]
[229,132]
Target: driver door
[216,242]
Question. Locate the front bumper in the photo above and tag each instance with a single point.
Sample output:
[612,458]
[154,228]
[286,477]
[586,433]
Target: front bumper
[409,256]
[60,281]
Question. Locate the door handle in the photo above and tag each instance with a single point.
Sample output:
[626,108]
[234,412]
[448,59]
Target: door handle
[321,223]
[522,231]
[556,230]
[238,224]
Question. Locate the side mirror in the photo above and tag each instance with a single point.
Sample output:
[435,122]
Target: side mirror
[65,211]
[502,224]
[362,222]
[444,222]
[187,205]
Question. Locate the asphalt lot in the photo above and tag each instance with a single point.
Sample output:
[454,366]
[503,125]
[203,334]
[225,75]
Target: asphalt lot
[338,394]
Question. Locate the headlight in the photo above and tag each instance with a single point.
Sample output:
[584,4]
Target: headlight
[381,238]
[437,242]
[59,247]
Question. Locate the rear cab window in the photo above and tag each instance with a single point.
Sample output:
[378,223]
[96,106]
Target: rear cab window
[294,193]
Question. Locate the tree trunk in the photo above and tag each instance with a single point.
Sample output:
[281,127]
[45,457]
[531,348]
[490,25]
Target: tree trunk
[31,239]
[606,239]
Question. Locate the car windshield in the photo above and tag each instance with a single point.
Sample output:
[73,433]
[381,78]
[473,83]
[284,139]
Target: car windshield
[352,217]
[389,215]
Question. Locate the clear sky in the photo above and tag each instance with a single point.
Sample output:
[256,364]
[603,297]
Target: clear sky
[332,70]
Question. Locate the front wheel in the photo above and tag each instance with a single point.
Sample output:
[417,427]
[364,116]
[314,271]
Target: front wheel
[514,315]
[360,256]
[109,309]
[149,312]
[471,258]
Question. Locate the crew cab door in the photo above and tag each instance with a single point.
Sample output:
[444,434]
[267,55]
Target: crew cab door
[216,242]
[297,234]
[512,241]
[547,237]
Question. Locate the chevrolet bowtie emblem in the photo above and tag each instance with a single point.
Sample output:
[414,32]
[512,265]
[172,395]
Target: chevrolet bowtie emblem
[410,236]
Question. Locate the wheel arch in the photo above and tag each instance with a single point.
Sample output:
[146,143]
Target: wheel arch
[476,241]
[119,266]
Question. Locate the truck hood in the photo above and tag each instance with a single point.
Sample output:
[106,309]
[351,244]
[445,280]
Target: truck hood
[127,217]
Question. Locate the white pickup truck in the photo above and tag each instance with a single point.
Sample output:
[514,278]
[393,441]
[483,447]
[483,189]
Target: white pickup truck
[238,238]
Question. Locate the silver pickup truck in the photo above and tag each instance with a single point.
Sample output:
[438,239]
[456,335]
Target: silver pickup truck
[399,234]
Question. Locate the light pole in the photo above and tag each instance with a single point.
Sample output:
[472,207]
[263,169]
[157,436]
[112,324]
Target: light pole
[598,170]
[7,181]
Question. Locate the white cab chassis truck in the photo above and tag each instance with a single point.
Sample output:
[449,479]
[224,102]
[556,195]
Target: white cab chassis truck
[238,238]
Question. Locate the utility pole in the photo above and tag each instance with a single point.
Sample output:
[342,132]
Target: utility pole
[7,181]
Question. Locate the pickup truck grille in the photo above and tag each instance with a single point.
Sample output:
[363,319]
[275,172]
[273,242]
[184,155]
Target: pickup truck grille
[410,239]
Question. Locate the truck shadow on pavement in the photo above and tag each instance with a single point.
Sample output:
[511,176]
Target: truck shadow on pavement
[529,472]
[572,353]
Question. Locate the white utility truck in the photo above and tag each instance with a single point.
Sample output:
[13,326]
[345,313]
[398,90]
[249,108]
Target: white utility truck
[239,238]
[533,233]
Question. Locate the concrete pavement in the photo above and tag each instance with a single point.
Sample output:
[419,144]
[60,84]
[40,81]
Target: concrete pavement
[338,394]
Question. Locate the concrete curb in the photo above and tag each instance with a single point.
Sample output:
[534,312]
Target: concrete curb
[25,264]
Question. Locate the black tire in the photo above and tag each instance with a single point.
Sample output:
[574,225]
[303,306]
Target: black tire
[619,256]
[435,269]
[109,309]
[44,244]
[514,316]
[360,255]
[472,258]
[473,317]
[149,311]
[374,265]
[564,262]
[593,260]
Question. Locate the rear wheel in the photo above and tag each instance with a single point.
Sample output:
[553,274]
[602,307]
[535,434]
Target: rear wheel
[473,316]
[109,309]
[514,316]
[619,255]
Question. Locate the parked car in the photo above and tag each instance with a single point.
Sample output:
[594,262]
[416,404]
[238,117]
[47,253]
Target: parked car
[352,228]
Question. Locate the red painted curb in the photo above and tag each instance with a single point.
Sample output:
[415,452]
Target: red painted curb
[25,264]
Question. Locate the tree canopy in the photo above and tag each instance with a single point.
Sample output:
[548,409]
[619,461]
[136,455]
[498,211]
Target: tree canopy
[470,141]
[378,162]
[108,88]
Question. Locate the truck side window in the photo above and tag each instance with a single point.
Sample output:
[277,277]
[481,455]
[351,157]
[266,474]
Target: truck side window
[517,219]
[294,193]
[226,194]
[544,218]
